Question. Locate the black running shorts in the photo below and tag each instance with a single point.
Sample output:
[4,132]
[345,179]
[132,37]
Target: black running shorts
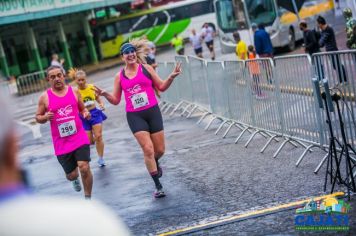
[198,51]
[149,120]
[210,45]
[69,161]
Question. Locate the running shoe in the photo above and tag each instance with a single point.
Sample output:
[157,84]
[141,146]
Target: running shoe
[76,185]
[101,162]
[159,193]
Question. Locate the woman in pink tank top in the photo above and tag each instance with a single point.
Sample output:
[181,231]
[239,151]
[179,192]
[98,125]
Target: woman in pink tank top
[137,81]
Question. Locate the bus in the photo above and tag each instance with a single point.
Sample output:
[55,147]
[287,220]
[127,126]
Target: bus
[280,23]
[159,24]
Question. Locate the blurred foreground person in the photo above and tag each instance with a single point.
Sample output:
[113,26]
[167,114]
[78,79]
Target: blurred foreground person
[22,213]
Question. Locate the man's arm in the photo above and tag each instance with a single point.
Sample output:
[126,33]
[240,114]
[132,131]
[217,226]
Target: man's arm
[41,115]
[323,38]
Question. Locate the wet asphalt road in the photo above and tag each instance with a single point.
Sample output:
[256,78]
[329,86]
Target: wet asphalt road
[205,177]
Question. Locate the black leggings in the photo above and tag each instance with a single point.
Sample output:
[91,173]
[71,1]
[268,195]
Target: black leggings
[149,120]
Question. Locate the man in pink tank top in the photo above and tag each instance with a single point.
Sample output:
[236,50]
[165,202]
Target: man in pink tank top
[61,105]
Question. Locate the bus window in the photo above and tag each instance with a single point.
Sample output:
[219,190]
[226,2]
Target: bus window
[261,11]
[107,32]
[123,26]
[225,16]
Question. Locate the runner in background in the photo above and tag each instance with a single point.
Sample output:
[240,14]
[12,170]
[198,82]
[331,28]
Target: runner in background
[93,126]
[196,41]
[178,44]
[208,34]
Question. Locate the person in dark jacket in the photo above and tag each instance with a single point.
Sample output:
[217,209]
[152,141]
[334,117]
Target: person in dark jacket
[311,43]
[328,41]
[263,44]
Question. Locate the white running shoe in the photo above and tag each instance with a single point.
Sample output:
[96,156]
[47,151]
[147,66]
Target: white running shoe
[76,185]
[101,162]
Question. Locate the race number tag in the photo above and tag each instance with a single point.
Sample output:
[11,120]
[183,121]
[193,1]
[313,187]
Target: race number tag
[67,129]
[139,100]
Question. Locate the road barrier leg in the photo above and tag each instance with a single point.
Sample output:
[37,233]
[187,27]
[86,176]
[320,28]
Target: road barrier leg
[280,148]
[221,126]
[191,112]
[303,154]
[268,142]
[185,109]
[321,163]
[212,120]
[203,117]
[252,136]
[242,133]
[168,107]
[176,108]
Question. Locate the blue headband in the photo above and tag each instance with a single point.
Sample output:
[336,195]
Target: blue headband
[125,47]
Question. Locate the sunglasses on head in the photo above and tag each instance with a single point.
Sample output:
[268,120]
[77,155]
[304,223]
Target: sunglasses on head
[59,75]
[129,51]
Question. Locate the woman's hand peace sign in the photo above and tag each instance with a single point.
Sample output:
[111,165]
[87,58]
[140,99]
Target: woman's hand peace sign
[177,70]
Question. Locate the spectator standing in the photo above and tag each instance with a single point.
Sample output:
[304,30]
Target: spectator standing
[263,43]
[328,41]
[310,38]
[241,47]
[196,41]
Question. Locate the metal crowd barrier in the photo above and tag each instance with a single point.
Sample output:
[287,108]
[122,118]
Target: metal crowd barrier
[31,83]
[340,70]
[273,98]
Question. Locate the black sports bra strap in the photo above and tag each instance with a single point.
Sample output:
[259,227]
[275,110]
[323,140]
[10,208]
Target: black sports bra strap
[146,73]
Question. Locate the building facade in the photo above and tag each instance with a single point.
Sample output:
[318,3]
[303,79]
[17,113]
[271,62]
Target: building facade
[32,30]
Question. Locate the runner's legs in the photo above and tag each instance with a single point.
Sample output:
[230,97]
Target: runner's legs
[87,177]
[98,137]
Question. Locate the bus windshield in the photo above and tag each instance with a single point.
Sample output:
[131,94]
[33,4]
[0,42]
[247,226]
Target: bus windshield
[230,15]
[261,11]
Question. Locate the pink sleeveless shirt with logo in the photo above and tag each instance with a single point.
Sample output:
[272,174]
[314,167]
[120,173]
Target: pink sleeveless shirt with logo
[67,130]
[138,91]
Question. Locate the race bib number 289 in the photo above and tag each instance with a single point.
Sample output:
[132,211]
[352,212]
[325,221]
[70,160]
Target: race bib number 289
[67,129]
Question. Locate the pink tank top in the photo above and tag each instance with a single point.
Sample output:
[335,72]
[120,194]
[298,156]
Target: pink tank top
[67,130]
[138,91]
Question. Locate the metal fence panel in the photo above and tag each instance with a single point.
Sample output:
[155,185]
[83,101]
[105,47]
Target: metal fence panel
[217,83]
[163,70]
[184,83]
[198,76]
[239,93]
[340,71]
[302,118]
[265,94]
[31,83]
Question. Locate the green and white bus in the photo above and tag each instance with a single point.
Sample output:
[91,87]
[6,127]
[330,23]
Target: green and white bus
[282,25]
[159,24]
